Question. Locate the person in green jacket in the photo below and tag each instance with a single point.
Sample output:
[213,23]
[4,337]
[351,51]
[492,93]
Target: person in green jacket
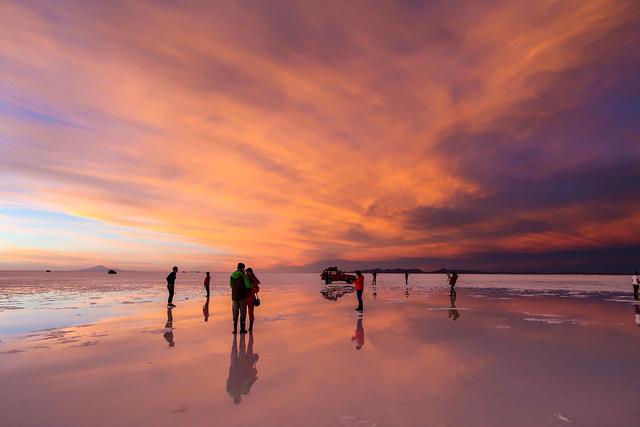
[240,287]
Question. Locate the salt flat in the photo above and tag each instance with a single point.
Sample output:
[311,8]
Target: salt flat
[86,349]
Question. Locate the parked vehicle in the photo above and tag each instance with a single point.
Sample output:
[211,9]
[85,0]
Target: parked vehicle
[332,274]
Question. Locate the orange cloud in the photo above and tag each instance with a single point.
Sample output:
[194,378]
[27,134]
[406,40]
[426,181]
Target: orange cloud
[292,134]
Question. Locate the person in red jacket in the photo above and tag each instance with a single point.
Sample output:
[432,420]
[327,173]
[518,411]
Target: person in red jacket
[253,293]
[359,289]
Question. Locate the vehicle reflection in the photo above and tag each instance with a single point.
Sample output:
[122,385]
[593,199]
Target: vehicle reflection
[333,292]
[453,311]
[242,368]
[358,337]
[168,328]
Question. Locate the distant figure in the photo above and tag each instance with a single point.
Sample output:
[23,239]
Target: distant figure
[168,328]
[359,289]
[635,280]
[171,281]
[240,286]
[205,309]
[207,281]
[406,277]
[242,369]
[453,312]
[253,294]
[375,275]
[453,278]
[358,338]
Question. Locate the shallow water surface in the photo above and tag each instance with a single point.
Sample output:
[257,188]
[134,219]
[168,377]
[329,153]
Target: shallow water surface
[95,350]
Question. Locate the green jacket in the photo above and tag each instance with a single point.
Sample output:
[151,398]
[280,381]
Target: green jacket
[240,285]
[238,273]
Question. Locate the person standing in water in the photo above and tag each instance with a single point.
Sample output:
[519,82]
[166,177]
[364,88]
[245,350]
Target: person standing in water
[406,277]
[453,278]
[207,281]
[240,287]
[635,281]
[375,276]
[171,281]
[359,289]
[253,295]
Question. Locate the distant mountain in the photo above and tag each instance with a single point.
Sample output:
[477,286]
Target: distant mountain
[418,271]
[460,271]
[97,269]
[394,271]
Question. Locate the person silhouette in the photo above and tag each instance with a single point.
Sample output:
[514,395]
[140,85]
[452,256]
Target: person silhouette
[406,277]
[168,328]
[358,337]
[453,311]
[635,281]
[207,282]
[453,278]
[242,369]
[171,281]
[375,276]
[205,310]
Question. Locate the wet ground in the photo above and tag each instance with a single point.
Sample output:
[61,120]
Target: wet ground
[491,357]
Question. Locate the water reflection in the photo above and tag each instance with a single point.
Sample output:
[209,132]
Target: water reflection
[333,292]
[242,368]
[406,291]
[358,337]
[453,311]
[205,310]
[375,291]
[168,327]
[637,314]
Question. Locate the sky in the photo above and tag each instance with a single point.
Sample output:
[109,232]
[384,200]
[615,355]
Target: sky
[499,135]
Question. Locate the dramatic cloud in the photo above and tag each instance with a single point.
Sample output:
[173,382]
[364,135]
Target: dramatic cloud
[288,133]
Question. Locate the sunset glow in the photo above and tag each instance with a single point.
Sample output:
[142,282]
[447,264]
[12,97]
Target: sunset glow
[292,134]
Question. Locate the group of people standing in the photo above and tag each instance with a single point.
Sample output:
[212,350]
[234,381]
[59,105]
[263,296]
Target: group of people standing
[244,285]
[452,278]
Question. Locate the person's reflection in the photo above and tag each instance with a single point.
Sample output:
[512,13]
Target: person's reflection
[205,310]
[242,369]
[358,338]
[637,314]
[453,311]
[168,328]
[406,291]
[375,291]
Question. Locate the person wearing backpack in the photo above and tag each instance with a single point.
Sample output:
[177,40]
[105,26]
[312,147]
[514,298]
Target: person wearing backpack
[240,285]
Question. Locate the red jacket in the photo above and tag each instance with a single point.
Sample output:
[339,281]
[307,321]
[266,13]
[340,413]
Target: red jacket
[360,283]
